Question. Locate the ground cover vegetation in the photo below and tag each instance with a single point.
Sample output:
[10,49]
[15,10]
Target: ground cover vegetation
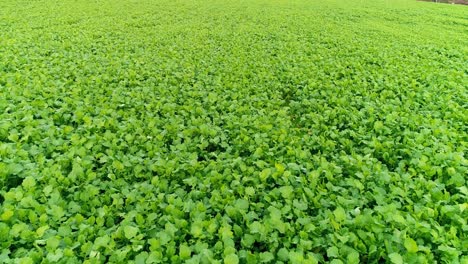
[246,131]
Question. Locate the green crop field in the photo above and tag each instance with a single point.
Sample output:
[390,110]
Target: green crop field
[233,131]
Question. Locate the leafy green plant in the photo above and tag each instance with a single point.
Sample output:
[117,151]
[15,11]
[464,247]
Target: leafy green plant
[233,132]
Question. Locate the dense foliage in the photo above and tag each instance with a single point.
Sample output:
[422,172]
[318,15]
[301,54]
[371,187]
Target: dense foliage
[251,131]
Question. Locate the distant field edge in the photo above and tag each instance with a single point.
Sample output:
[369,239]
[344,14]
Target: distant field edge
[457,2]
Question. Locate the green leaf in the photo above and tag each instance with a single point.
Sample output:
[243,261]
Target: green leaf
[118,165]
[256,228]
[287,192]
[333,252]
[6,215]
[102,241]
[340,214]
[353,257]
[242,204]
[29,182]
[411,245]
[283,254]
[164,237]
[185,251]
[312,259]
[26,260]
[296,257]
[41,230]
[130,231]
[248,240]
[56,256]
[378,125]
[52,243]
[266,257]
[396,258]
[398,218]
[279,167]
[4,231]
[196,230]
[141,258]
[231,259]
[265,174]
